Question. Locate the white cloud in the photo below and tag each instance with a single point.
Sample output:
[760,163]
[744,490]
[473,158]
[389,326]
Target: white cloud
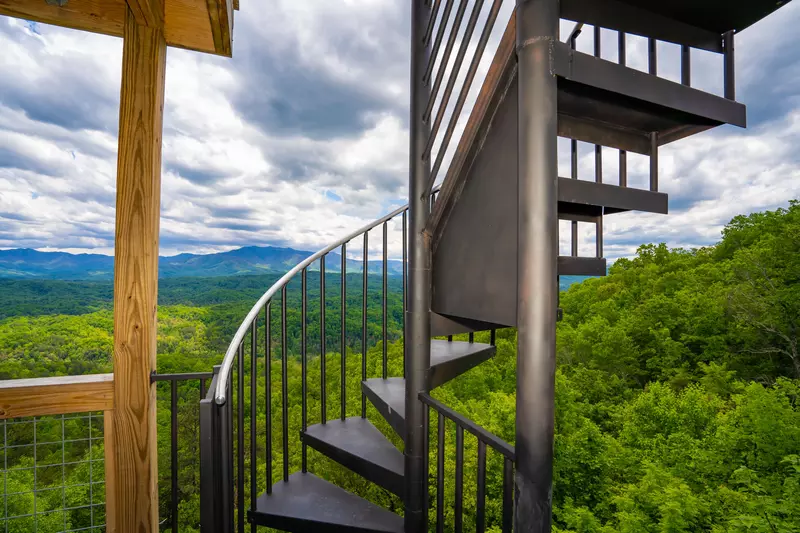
[302,137]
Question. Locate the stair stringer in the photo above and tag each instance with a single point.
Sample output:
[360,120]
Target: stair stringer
[474,263]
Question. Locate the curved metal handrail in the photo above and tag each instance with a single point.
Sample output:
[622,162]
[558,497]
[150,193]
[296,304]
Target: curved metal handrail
[220,394]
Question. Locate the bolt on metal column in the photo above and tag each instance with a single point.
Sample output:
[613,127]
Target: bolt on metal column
[537,257]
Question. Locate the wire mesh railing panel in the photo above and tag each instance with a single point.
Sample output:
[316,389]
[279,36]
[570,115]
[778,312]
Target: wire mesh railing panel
[53,474]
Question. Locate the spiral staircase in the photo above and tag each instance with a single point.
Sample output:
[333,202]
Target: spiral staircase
[470,237]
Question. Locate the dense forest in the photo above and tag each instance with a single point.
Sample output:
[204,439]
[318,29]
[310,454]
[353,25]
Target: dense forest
[677,385]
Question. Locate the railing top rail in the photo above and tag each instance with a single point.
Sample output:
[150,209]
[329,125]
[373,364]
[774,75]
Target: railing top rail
[181,376]
[220,394]
[489,438]
[56,395]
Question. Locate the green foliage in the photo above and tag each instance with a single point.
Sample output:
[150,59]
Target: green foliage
[676,391]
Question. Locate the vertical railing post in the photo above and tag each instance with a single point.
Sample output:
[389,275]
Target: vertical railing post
[730,64]
[537,301]
[418,330]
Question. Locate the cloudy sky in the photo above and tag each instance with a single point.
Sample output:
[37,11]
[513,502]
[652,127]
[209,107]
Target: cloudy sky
[302,136]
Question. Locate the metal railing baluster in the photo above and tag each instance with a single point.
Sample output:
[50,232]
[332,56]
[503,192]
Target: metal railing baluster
[686,65]
[322,348]
[304,362]
[173,405]
[240,438]
[451,40]
[480,504]
[453,77]
[440,475]
[405,283]
[622,58]
[385,299]
[431,21]
[654,161]
[729,55]
[508,495]
[364,290]
[343,327]
[459,496]
[284,387]
[462,98]
[652,56]
[573,175]
[253,416]
[268,390]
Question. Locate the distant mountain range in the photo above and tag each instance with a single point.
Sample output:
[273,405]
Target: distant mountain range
[25,263]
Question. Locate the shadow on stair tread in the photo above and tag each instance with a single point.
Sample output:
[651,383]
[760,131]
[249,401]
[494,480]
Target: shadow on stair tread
[309,503]
[359,446]
[449,359]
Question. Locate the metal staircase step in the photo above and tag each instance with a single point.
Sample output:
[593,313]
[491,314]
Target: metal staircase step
[358,445]
[450,359]
[308,503]
[389,398]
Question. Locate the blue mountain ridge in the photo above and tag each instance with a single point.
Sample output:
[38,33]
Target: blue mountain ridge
[26,263]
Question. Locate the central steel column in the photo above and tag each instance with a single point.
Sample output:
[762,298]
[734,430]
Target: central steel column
[418,330]
[537,263]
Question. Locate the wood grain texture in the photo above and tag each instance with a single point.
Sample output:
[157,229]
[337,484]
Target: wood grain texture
[56,396]
[199,25]
[136,278]
[187,25]
[220,14]
[97,16]
[148,12]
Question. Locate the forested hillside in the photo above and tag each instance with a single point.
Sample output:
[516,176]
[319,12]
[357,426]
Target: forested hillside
[677,386]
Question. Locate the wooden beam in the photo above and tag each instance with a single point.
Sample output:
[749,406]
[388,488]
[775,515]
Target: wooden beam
[56,396]
[220,14]
[199,25]
[148,12]
[98,16]
[136,278]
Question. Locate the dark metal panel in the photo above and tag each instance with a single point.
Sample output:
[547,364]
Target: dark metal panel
[442,326]
[629,18]
[603,133]
[474,263]
[625,85]
[450,359]
[612,197]
[717,16]
[581,266]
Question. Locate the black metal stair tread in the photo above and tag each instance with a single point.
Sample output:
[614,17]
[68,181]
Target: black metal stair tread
[389,398]
[358,445]
[309,503]
[450,359]
[627,100]
[591,199]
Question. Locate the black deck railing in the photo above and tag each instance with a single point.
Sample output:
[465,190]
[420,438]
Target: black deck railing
[234,441]
[485,440]
[175,382]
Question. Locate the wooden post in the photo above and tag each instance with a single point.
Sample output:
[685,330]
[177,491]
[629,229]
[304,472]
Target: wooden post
[135,478]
